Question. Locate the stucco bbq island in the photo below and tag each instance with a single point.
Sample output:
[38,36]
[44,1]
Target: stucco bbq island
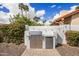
[43,37]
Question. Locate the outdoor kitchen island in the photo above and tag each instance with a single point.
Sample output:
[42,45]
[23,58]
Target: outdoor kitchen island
[40,37]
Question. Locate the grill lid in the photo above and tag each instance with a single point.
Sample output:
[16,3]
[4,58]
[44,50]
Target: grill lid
[35,33]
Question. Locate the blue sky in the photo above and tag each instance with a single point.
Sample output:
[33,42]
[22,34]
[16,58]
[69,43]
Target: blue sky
[51,9]
[4,9]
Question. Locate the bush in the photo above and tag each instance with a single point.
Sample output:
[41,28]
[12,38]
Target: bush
[73,38]
[12,33]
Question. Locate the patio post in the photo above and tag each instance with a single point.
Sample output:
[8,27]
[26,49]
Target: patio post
[44,45]
[27,40]
[28,44]
[54,42]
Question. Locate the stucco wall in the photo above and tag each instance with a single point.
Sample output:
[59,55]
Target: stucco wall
[57,30]
[75,19]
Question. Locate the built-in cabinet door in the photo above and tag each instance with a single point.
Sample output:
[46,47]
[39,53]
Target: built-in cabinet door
[49,42]
[36,42]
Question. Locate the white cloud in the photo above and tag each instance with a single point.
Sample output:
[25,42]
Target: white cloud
[3,18]
[40,22]
[13,8]
[73,8]
[61,13]
[1,6]
[42,17]
[2,14]
[67,11]
[52,6]
[56,16]
[48,22]
[40,13]
[31,12]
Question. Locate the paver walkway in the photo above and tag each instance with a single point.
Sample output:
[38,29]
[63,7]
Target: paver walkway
[40,52]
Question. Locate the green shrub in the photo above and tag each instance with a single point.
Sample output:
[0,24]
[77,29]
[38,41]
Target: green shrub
[73,38]
[12,33]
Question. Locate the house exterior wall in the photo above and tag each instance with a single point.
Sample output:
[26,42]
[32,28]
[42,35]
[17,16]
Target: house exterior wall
[71,27]
[75,19]
[67,20]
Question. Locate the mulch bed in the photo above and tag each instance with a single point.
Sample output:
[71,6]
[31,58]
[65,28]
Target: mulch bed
[11,49]
[68,51]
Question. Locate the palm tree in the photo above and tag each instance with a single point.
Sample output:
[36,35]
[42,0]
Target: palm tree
[23,8]
[36,19]
[44,22]
[77,7]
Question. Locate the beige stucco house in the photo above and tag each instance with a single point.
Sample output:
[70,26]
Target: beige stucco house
[71,18]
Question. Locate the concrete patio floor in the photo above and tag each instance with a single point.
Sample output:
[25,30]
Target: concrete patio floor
[40,52]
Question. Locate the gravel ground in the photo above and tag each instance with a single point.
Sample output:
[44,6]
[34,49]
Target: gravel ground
[68,51]
[11,49]
[17,50]
[40,52]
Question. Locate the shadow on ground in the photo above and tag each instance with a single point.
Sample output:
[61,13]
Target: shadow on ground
[11,49]
[68,51]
